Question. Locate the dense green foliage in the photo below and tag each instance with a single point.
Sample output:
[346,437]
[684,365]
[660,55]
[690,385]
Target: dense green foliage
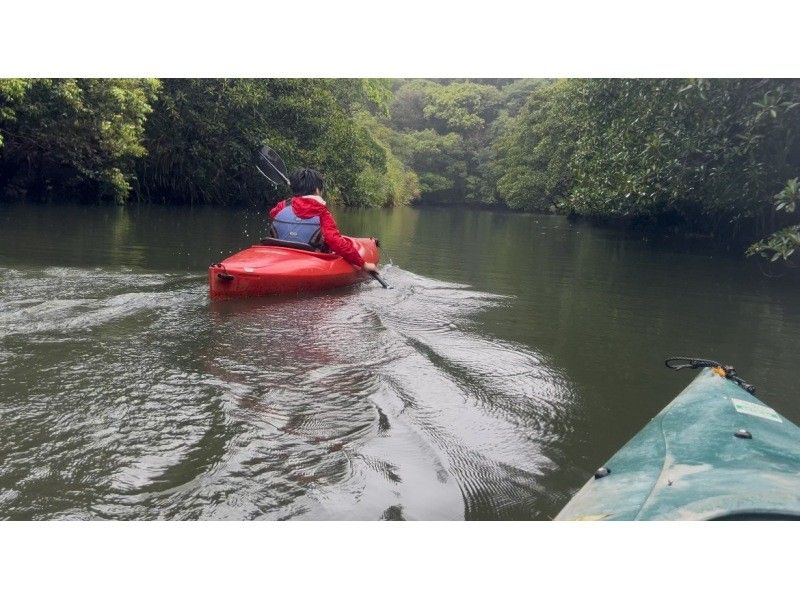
[194,139]
[718,158]
[711,153]
[705,156]
[202,135]
[442,133]
[782,243]
[447,131]
[81,135]
[534,148]
[395,183]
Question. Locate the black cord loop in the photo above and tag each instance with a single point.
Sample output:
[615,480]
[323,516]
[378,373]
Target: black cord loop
[695,363]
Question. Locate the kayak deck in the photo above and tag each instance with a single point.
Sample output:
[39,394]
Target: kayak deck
[263,270]
[714,452]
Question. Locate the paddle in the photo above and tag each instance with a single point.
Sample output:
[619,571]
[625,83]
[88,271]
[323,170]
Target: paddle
[377,277]
[273,164]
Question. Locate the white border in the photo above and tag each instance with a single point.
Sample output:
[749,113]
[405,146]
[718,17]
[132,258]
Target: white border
[391,559]
[400,38]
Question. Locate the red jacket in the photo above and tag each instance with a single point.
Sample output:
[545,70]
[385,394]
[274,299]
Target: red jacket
[308,206]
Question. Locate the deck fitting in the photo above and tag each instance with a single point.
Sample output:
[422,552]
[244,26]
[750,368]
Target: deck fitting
[601,473]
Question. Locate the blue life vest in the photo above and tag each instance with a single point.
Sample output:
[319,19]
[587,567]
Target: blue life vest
[287,226]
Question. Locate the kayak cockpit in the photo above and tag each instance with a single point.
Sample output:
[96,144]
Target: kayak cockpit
[273,242]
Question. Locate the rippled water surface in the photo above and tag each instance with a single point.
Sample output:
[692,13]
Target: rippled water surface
[514,354]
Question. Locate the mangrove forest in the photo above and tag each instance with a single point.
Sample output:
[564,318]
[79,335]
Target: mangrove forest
[714,158]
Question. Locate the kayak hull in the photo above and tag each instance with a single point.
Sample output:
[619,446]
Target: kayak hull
[688,463]
[262,270]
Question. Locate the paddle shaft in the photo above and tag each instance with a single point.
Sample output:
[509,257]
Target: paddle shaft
[377,277]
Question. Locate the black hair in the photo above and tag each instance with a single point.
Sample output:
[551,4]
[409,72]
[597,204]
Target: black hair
[305,181]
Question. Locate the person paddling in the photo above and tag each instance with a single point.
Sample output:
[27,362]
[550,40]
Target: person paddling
[306,219]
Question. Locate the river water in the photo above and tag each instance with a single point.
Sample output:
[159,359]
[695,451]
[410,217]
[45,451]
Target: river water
[513,355]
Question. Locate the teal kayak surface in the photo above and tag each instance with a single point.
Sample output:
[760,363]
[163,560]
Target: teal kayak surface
[715,452]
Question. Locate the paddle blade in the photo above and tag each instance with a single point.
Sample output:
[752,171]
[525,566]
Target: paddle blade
[271,165]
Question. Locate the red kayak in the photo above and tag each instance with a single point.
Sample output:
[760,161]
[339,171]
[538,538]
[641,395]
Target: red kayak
[277,268]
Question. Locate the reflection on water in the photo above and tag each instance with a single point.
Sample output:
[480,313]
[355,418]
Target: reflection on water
[513,354]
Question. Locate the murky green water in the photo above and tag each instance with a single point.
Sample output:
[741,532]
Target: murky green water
[514,354]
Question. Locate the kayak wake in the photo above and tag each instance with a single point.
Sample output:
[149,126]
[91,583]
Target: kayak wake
[362,403]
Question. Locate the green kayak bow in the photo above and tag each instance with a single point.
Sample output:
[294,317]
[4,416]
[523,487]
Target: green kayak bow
[715,452]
